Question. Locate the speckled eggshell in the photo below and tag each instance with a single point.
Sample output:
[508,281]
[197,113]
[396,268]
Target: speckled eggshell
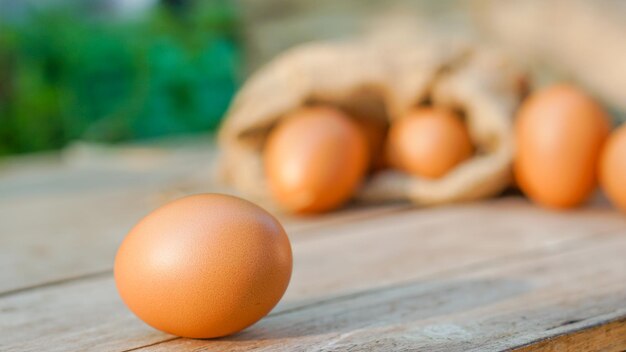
[204,266]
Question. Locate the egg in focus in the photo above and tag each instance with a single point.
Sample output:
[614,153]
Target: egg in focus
[612,168]
[428,142]
[315,160]
[204,266]
[559,134]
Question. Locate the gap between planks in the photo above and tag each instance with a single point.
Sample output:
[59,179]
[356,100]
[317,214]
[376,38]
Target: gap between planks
[603,331]
[295,226]
[606,336]
[371,232]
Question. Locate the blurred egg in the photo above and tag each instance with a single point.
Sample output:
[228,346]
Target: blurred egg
[559,134]
[204,266]
[315,159]
[613,168]
[428,142]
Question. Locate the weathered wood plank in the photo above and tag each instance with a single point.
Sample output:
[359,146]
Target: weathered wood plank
[491,308]
[64,216]
[406,245]
[606,336]
[54,238]
[74,316]
[420,249]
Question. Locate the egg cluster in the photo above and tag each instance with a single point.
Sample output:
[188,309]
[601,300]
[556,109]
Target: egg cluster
[210,265]
[317,157]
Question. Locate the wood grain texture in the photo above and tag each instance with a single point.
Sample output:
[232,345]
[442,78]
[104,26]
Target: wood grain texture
[64,217]
[403,246]
[388,270]
[490,308]
[80,315]
[606,336]
[494,275]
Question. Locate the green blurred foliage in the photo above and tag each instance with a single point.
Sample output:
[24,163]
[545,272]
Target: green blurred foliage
[64,76]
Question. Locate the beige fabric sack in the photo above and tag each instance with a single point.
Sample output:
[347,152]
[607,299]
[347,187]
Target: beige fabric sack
[379,79]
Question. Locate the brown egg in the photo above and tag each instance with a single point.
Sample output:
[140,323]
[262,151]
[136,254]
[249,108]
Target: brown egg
[428,142]
[613,168]
[204,266]
[559,134]
[315,160]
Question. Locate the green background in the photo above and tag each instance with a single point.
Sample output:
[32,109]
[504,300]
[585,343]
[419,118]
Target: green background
[65,75]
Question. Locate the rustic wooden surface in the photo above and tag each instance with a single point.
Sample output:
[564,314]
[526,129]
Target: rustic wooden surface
[489,276]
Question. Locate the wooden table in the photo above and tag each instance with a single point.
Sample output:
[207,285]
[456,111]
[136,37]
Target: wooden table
[488,276]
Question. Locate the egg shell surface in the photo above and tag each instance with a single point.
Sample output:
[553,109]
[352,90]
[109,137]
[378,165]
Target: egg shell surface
[204,266]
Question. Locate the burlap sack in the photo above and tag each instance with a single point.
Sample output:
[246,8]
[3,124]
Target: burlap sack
[381,80]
